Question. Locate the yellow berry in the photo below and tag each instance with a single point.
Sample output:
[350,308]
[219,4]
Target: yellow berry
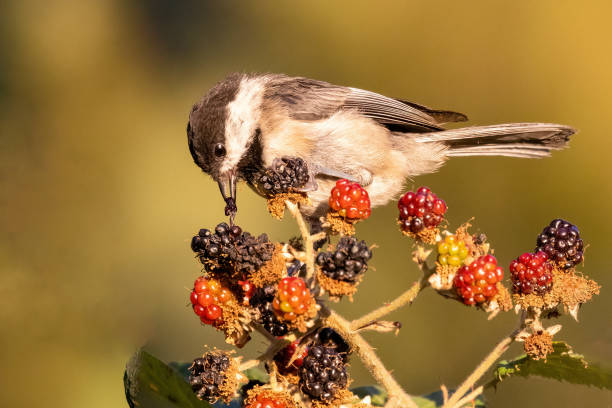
[453,249]
[450,239]
[286,307]
[443,259]
[463,252]
[454,260]
[442,248]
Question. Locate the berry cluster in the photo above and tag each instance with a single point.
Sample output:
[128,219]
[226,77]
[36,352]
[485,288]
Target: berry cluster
[283,358]
[262,299]
[266,401]
[476,282]
[347,262]
[452,251]
[561,242]
[207,375]
[350,200]
[206,297]
[250,253]
[322,373]
[290,173]
[292,298]
[230,248]
[420,210]
[531,273]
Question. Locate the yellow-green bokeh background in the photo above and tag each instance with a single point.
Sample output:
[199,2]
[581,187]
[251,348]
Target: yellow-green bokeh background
[99,196]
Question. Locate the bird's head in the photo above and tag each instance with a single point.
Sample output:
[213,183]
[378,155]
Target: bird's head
[223,132]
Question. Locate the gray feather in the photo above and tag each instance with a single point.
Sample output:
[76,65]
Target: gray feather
[513,139]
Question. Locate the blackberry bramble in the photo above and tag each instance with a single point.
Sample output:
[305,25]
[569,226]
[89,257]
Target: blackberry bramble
[476,282]
[420,210]
[322,373]
[350,200]
[206,298]
[452,251]
[531,273]
[561,241]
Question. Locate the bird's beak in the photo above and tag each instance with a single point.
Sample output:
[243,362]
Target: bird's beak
[227,186]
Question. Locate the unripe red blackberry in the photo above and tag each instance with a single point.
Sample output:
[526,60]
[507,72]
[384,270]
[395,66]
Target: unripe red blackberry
[531,273]
[207,297]
[561,241]
[350,200]
[289,174]
[267,401]
[292,298]
[322,373]
[420,210]
[476,282]
[207,375]
[283,358]
[347,262]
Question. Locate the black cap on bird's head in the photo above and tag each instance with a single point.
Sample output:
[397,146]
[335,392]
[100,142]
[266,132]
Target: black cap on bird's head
[221,131]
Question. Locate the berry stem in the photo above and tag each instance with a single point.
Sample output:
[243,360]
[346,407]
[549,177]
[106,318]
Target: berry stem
[419,256]
[309,240]
[469,397]
[397,396]
[483,367]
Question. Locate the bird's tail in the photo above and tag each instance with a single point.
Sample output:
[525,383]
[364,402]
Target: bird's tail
[527,140]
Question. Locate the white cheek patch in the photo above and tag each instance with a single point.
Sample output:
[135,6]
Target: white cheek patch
[243,115]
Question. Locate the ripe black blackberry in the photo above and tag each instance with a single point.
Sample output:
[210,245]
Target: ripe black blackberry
[561,242]
[250,253]
[262,300]
[290,173]
[214,248]
[328,337]
[207,375]
[347,262]
[322,373]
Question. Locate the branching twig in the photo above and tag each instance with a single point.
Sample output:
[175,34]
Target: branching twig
[419,256]
[481,369]
[309,240]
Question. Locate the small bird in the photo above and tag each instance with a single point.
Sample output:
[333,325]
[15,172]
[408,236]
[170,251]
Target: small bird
[247,122]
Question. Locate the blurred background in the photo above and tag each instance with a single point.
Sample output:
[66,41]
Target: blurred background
[99,196]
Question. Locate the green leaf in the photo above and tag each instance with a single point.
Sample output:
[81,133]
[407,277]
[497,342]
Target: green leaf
[561,365]
[378,394]
[256,374]
[149,383]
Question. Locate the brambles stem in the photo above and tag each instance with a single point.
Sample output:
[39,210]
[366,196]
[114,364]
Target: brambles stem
[419,256]
[397,396]
[309,240]
[480,370]
[470,397]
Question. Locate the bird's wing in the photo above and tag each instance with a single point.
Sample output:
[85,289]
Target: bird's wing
[309,99]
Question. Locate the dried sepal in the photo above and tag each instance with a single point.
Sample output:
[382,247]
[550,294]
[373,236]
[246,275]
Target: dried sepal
[276,204]
[272,271]
[538,345]
[340,225]
[337,288]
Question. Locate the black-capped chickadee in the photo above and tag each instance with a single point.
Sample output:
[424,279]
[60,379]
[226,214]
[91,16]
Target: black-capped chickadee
[247,121]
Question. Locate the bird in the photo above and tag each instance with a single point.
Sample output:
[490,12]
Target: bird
[247,122]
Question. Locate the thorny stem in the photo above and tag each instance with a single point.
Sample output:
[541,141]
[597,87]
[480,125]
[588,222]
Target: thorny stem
[397,396]
[309,240]
[470,397]
[419,256]
[483,367]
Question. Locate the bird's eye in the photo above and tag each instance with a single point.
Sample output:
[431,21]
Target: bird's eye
[219,150]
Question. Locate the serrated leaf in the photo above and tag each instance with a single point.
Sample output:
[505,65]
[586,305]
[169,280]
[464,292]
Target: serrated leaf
[150,383]
[561,365]
[376,393]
